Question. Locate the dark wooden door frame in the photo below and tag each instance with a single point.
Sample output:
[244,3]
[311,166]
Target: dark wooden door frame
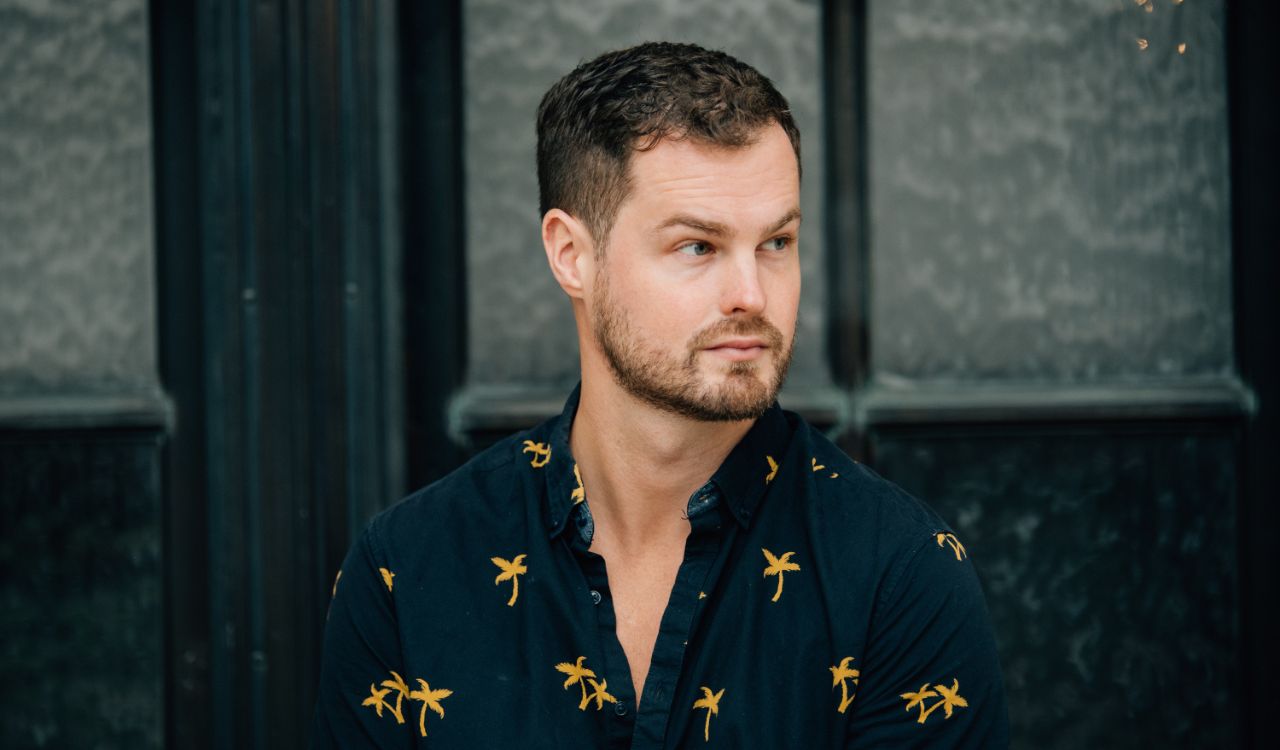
[1255,227]
[433,266]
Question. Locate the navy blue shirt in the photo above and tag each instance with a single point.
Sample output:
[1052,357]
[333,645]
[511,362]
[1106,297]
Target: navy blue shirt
[817,606]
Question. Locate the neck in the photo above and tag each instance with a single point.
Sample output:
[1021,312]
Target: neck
[640,464]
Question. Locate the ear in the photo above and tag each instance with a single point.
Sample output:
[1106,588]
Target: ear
[570,251]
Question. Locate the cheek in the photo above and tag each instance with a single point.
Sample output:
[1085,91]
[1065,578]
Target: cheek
[666,316]
[784,299]
[652,305]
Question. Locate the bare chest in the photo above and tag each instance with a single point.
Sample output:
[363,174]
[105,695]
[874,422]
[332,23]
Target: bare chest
[641,590]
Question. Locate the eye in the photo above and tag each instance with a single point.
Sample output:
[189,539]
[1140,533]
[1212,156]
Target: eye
[695,249]
[777,244]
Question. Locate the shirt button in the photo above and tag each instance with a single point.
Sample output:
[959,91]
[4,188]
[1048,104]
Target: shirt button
[595,599]
[620,708]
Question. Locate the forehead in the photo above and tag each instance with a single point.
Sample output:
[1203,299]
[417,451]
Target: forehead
[731,185]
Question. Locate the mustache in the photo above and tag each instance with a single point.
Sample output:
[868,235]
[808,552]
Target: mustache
[756,325]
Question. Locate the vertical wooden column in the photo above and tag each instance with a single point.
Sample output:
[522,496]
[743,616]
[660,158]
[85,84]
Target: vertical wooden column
[433,269]
[1255,225]
[276,132]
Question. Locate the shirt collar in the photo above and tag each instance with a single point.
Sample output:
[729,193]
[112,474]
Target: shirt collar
[743,478]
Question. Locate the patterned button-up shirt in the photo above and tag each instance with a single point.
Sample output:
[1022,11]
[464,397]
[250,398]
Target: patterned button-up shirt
[817,606]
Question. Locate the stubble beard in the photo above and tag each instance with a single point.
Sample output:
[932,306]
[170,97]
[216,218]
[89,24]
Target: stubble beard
[677,386]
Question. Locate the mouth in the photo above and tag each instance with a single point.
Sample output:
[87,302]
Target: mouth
[738,349]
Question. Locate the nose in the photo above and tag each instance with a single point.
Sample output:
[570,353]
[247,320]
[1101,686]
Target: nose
[742,292]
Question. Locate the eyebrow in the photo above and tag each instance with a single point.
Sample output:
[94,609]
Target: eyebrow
[716,229]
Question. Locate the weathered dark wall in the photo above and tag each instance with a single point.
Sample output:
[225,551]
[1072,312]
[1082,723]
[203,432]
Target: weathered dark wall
[1109,562]
[80,583]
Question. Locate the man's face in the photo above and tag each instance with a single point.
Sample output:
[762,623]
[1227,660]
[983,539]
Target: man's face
[694,304]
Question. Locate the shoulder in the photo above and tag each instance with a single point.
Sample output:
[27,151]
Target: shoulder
[860,521]
[487,494]
[842,488]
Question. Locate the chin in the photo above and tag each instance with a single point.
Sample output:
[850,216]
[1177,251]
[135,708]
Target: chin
[740,394]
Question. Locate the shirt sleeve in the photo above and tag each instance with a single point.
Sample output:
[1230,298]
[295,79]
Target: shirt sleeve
[931,674]
[362,699]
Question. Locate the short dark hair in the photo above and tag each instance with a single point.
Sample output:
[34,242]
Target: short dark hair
[591,121]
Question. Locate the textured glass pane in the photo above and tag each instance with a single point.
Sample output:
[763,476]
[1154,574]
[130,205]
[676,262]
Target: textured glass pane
[1048,189]
[1109,564]
[76,300]
[520,323]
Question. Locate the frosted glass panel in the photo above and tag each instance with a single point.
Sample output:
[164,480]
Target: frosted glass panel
[76,277]
[1048,186]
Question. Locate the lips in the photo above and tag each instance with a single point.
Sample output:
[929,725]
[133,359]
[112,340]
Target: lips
[740,343]
[737,339]
[739,349]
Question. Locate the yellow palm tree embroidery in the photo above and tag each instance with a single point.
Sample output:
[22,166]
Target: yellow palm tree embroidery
[917,699]
[949,698]
[541,453]
[773,469]
[702,595]
[579,494]
[711,702]
[386,577]
[510,572]
[600,695]
[819,467]
[335,584]
[777,566]
[397,684]
[378,700]
[577,673]
[950,539]
[841,673]
[430,699]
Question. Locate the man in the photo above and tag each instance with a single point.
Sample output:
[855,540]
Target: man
[673,561]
